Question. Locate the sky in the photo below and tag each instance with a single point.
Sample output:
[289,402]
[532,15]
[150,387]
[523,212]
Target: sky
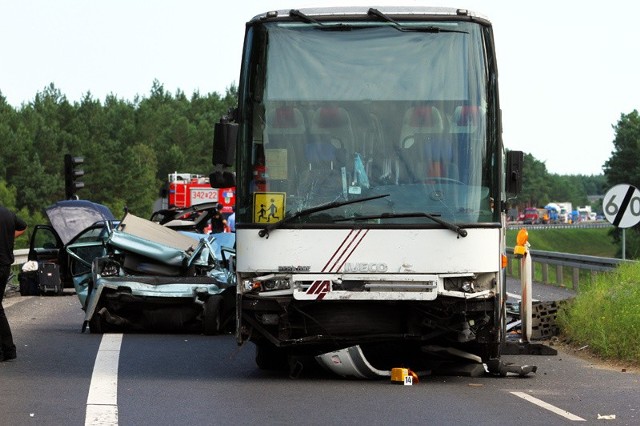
[567,71]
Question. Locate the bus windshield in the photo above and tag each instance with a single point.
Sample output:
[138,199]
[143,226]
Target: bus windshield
[406,114]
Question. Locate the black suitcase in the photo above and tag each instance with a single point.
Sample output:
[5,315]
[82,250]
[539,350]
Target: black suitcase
[29,283]
[49,279]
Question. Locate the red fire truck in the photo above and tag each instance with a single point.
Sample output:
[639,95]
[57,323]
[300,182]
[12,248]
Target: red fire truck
[186,190]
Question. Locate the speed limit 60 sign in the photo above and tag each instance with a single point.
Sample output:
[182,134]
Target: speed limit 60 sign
[622,205]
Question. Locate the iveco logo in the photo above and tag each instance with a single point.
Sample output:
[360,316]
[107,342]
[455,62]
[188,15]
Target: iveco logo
[365,267]
[288,268]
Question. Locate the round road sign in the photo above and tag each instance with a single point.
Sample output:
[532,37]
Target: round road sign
[622,205]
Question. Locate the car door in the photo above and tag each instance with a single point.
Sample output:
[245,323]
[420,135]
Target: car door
[81,251]
[45,246]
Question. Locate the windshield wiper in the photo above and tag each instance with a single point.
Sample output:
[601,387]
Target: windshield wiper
[399,27]
[434,217]
[295,13]
[306,212]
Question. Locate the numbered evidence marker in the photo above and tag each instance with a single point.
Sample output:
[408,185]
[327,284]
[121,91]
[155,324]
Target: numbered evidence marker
[622,205]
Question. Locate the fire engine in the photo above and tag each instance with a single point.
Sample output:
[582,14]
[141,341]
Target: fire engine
[186,190]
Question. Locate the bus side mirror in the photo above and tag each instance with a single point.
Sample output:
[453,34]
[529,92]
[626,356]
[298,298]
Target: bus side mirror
[224,142]
[513,175]
[220,179]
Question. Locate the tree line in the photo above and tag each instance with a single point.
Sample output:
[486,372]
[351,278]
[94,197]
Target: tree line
[129,148]
[622,167]
[540,187]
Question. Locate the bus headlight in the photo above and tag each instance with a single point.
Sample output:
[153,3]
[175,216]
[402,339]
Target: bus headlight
[276,284]
[473,284]
[271,284]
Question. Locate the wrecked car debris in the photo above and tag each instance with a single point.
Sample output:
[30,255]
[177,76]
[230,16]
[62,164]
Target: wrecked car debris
[149,276]
[135,274]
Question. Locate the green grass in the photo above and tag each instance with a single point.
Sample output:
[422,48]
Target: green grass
[592,242]
[588,241]
[605,314]
[605,317]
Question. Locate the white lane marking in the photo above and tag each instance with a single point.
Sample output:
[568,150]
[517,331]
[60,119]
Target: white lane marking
[10,301]
[547,406]
[102,401]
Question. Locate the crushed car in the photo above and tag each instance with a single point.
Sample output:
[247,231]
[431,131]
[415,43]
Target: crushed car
[150,276]
[135,274]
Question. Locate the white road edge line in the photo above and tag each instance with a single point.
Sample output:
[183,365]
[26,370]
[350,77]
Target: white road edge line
[102,401]
[547,406]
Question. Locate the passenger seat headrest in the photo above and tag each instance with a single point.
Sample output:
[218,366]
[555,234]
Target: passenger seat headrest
[284,118]
[331,117]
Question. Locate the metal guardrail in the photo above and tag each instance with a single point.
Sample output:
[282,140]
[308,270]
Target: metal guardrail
[20,256]
[579,225]
[560,261]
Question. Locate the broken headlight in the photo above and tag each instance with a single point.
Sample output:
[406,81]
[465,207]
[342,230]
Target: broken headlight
[471,284]
[109,268]
[269,284]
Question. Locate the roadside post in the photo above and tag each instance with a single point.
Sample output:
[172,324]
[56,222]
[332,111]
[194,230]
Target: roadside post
[622,208]
[521,250]
[524,345]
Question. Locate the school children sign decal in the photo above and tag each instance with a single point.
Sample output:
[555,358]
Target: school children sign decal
[268,207]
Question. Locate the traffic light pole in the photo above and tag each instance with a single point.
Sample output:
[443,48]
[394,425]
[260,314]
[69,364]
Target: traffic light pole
[71,176]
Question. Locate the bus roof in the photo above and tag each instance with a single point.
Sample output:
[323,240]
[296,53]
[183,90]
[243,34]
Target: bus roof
[355,11]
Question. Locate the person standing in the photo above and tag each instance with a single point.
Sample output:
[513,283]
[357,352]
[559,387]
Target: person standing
[231,220]
[11,226]
[218,222]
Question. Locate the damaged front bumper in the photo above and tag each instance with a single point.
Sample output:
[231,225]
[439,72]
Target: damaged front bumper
[112,297]
[351,362]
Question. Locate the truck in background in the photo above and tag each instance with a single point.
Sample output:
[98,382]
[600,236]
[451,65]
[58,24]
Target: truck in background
[552,213]
[186,189]
[544,215]
[377,229]
[531,216]
[585,213]
[575,216]
[565,212]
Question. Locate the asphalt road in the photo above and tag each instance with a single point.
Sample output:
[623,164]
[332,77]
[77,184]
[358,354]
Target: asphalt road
[193,379]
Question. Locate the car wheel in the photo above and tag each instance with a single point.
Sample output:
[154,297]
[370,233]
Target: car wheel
[269,357]
[212,315]
[96,324]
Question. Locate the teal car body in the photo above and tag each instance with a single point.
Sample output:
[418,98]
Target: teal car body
[138,275]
